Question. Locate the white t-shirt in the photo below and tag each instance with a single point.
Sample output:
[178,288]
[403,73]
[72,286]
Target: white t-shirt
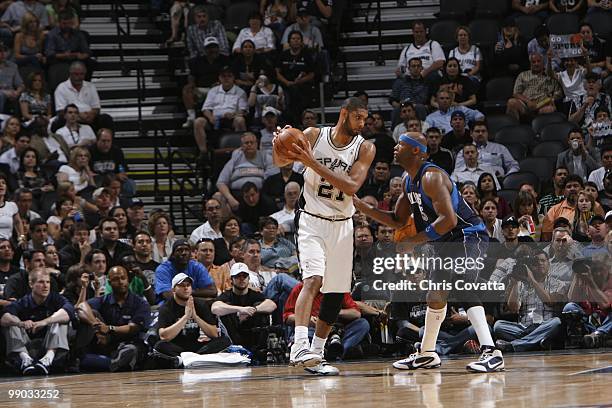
[467,61]
[7,211]
[85,99]
[80,180]
[573,87]
[428,53]
[54,146]
[75,137]
[221,102]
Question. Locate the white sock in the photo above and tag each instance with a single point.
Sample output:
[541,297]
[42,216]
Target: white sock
[476,315]
[433,321]
[25,358]
[317,344]
[191,114]
[301,334]
[48,358]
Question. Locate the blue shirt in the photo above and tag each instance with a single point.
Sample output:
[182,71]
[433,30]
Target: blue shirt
[167,270]
[26,308]
[134,310]
[442,120]
[592,249]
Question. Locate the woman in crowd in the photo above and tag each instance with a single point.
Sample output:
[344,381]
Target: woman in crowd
[262,37]
[126,230]
[28,46]
[585,210]
[30,176]
[273,247]
[470,195]
[162,236]
[526,212]
[230,229]
[459,86]
[11,128]
[64,208]
[35,101]
[56,7]
[9,216]
[488,189]
[468,55]
[78,172]
[266,93]
[79,284]
[488,213]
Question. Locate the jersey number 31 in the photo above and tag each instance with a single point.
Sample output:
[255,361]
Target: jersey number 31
[328,191]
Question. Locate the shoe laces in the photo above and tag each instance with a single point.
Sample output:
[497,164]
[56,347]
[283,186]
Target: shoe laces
[486,354]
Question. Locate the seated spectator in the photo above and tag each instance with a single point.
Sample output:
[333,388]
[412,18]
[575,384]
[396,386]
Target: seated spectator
[241,309]
[247,164]
[510,52]
[253,206]
[470,194]
[577,159]
[7,268]
[295,70]
[428,51]
[276,14]
[462,89]
[11,157]
[533,293]
[112,327]
[35,101]
[540,44]
[178,12]
[28,47]
[597,232]
[273,247]
[41,315]
[39,235]
[78,171]
[73,132]
[486,187]
[17,285]
[526,212]
[407,113]
[471,169]
[310,33]
[285,217]
[80,286]
[13,16]
[23,198]
[204,72]
[220,274]
[597,176]
[572,79]
[539,8]
[275,186]
[534,92]
[9,215]
[378,182]
[202,29]
[565,6]
[108,159]
[488,213]
[356,328]
[262,36]
[379,127]
[556,196]
[11,84]
[142,254]
[270,122]
[468,55]
[66,44]
[589,295]
[267,97]
[230,230]
[109,243]
[572,184]
[585,214]
[212,227]
[139,283]
[160,227]
[75,90]
[459,135]
[442,117]
[225,107]
[410,88]
[582,110]
[180,262]
[396,188]
[439,155]
[29,175]
[55,7]
[11,128]
[599,132]
[598,5]
[181,321]
[248,66]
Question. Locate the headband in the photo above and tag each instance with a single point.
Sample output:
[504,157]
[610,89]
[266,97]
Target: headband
[407,139]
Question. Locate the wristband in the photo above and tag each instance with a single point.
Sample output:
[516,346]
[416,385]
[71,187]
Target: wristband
[431,232]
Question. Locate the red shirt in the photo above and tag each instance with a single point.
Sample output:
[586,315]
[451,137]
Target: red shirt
[347,302]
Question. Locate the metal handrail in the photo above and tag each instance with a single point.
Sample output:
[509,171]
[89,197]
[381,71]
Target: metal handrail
[141,89]
[380,58]
[118,11]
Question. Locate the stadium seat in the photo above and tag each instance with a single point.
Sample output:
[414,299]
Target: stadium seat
[601,22]
[517,150]
[230,141]
[508,194]
[527,25]
[498,121]
[484,32]
[498,91]
[522,134]
[237,15]
[514,180]
[540,166]
[548,149]
[557,132]
[545,119]
[214,12]
[491,8]
[444,32]
[563,23]
[456,9]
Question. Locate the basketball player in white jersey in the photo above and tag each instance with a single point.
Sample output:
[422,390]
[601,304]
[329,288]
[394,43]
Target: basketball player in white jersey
[336,160]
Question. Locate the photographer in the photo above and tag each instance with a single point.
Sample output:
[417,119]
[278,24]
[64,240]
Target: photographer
[534,294]
[590,296]
[597,232]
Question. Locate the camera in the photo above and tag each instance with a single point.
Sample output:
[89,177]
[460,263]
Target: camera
[582,266]
[519,272]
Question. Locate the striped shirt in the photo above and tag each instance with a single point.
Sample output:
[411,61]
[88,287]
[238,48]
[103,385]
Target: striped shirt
[532,306]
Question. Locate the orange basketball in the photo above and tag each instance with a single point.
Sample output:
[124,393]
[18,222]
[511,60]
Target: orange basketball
[286,139]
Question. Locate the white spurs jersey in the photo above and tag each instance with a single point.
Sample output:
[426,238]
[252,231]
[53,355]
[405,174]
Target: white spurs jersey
[319,197]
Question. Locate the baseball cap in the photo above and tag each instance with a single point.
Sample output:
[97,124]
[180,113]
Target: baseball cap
[608,215]
[458,113]
[510,221]
[238,268]
[179,243]
[208,41]
[592,76]
[136,202]
[99,191]
[270,109]
[596,218]
[302,11]
[179,278]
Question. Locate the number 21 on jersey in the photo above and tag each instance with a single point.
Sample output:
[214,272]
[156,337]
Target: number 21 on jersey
[328,191]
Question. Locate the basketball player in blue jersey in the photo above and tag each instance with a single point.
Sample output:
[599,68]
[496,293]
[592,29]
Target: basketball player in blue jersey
[441,216]
[336,160]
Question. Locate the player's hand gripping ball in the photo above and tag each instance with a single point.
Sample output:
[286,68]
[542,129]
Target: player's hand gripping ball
[285,140]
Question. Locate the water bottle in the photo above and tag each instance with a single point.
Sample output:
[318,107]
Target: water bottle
[120,169]
[217,122]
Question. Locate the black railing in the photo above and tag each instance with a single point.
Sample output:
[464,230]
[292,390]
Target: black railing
[141,89]
[118,11]
[380,57]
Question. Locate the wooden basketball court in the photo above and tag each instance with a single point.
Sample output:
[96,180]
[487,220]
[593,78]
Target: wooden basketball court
[530,380]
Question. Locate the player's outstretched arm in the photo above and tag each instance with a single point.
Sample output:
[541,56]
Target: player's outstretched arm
[397,218]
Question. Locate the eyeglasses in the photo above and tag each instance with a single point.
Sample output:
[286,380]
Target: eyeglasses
[217,207]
